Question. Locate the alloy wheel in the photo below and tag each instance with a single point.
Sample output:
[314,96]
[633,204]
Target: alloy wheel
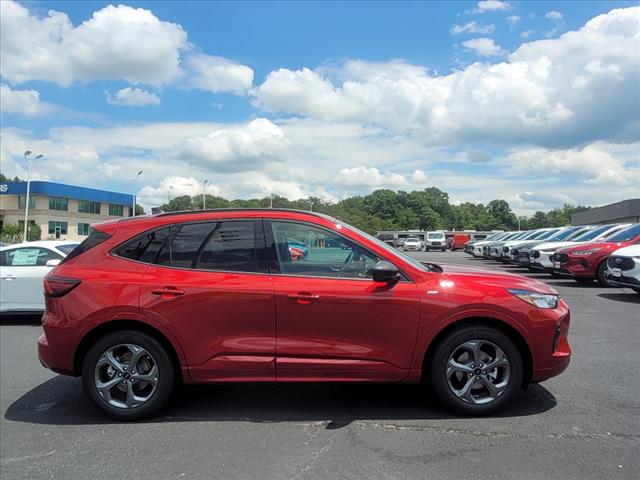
[478,372]
[126,376]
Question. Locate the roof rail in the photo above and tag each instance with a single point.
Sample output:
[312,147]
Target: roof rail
[240,209]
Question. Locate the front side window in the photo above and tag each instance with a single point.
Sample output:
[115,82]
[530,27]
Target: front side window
[27,257]
[626,234]
[58,203]
[228,246]
[306,250]
[116,210]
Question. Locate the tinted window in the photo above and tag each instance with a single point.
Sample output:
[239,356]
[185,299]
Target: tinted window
[310,251]
[146,247]
[184,243]
[95,238]
[225,246]
[625,235]
[231,247]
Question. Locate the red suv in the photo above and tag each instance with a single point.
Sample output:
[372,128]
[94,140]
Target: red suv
[216,296]
[588,261]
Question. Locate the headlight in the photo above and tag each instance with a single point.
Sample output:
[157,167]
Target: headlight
[540,300]
[586,252]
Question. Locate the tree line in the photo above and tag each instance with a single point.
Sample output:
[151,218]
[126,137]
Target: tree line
[428,209]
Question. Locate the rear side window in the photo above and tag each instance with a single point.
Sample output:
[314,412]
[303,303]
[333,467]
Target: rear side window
[95,238]
[27,257]
[225,246]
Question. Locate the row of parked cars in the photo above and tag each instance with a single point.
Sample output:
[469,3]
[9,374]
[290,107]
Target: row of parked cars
[608,254]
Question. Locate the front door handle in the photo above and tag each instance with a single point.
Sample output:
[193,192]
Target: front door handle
[8,276]
[303,298]
[168,292]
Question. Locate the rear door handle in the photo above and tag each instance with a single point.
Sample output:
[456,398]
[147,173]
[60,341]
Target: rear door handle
[8,276]
[168,292]
[303,297]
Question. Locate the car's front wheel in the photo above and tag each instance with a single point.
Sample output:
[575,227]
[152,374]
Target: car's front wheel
[476,370]
[128,374]
[602,278]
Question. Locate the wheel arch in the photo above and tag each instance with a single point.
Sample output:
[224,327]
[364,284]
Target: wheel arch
[502,326]
[124,324]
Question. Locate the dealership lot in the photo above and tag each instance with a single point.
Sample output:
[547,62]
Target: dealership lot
[582,424]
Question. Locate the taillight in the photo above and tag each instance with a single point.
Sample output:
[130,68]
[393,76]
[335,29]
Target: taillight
[56,286]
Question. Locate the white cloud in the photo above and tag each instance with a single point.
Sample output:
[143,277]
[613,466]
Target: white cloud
[23,102]
[472,27]
[512,20]
[369,177]
[132,97]
[598,163]
[237,148]
[116,43]
[217,74]
[491,6]
[527,33]
[553,15]
[556,92]
[485,47]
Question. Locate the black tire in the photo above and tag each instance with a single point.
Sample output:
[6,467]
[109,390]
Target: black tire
[443,249]
[166,374]
[602,279]
[448,345]
[426,249]
[636,289]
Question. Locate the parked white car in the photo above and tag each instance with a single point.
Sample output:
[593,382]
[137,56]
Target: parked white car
[435,241]
[540,254]
[22,268]
[412,243]
[623,267]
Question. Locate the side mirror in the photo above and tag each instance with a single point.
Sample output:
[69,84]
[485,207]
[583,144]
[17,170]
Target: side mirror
[53,262]
[385,272]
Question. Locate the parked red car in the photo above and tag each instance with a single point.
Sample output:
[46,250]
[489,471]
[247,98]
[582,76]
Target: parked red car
[588,261]
[459,241]
[214,296]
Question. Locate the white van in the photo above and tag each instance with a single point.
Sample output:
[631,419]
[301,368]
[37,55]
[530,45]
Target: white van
[435,241]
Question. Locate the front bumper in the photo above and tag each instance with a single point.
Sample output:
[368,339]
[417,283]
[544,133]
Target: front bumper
[554,355]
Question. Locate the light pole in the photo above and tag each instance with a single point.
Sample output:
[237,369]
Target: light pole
[518,223]
[271,201]
[311,205]
[26,205]
[204,194]
[134,180]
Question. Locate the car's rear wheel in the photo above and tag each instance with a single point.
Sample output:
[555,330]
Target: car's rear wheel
[128,375]
[602,279]
[476,370]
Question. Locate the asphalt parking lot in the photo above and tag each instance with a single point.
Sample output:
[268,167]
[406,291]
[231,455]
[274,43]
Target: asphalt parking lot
[584,424]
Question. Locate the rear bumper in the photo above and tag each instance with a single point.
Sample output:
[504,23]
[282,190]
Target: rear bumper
[53,358]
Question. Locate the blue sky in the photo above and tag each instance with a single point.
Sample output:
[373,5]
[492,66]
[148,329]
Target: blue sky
[534,102]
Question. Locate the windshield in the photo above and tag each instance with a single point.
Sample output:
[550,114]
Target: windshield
[591,234]
[539,234]
[66,249]
[547,234]
[626,234]
[563,233]
[412,239]
[435,235]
